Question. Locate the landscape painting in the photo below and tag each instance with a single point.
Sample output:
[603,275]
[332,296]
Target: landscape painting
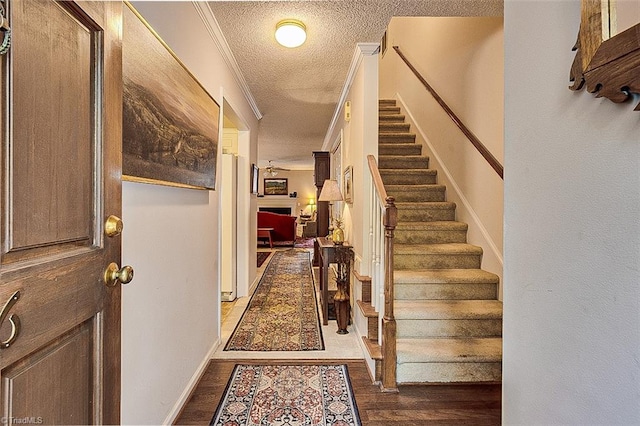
[170,122]
[276,186]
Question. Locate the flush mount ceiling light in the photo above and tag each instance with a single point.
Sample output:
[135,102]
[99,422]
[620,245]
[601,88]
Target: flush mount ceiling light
[291,33]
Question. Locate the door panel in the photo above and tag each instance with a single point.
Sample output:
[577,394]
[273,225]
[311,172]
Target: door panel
[61,174]
[64,364]
[52,73]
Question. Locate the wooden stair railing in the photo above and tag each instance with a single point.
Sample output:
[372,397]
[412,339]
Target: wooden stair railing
[388,338]
[486,154]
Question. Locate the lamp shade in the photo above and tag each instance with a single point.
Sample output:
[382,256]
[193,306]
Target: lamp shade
[330,191]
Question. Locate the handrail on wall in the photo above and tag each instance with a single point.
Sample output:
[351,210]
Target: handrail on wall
[493,161]
[386,204]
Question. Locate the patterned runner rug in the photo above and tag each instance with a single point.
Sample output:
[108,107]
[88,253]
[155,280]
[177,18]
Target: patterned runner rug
[282,314]
[293,395]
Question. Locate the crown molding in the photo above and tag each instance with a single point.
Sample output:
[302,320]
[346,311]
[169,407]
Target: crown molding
[361,50]
[213,28]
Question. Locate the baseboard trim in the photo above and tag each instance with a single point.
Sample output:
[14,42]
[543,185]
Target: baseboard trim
[191,385]
[254,284]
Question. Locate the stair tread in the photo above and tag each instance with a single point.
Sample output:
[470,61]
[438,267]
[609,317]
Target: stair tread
[486,349]
[444,276]
[408,172]
[433,225]
[446,248]
[367,310]
[398,134]
[422,205]
[374,349]
[447,309]
[398,157]
[416,187]
[389,128]
[398,145]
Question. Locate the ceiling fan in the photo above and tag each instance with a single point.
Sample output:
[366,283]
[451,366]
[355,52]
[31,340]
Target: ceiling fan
[272,170]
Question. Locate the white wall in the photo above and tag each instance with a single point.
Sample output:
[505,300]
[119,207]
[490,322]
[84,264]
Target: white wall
[170,311]
[359,139]
[462,59]
[572,233]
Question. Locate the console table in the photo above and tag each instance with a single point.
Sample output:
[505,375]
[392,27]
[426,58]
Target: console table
[265,233]
[340,254]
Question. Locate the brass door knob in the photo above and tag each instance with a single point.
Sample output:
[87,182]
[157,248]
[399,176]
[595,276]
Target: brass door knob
[113,226]
[115,275]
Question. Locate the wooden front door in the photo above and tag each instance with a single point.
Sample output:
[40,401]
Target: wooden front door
[61,180]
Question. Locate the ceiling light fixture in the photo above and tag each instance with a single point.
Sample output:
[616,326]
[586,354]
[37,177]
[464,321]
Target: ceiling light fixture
[270,170]
[291,33]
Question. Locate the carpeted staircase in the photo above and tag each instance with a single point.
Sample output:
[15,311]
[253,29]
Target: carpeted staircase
[449,321]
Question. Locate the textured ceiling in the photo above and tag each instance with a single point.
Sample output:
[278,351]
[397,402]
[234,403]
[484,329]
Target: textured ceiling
[296,90]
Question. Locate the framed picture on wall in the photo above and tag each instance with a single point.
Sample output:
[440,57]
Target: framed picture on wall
[254,179]
[276,186]
[169,122]
[347,184]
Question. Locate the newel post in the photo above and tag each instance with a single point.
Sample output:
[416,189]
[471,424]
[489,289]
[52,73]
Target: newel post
[390,220]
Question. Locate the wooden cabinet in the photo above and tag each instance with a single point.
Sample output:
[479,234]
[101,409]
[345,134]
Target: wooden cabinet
[322,171]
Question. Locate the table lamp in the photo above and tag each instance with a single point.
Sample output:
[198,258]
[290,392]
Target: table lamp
[331,192]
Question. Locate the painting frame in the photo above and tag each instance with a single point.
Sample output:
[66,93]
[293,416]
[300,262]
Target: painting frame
[171,124]
[347,185]
[276,186]
[254,179]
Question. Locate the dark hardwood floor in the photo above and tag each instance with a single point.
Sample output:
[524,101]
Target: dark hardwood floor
[476,405]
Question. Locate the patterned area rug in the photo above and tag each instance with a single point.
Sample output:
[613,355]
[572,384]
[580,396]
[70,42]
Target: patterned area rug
[304,242]
[292,395]
[262,256]
[282,314]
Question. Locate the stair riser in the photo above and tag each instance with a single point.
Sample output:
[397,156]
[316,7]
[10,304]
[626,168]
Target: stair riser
[388,117]
[393,127]
[449,372]
[366,291]
[448,291]
[372,328]
[403,162]
[398,149]
[448,328]
[436,261]
[429,237]
[426,215]
[396,138]
[386,102]
[425,195]
[388,110]
[409,179]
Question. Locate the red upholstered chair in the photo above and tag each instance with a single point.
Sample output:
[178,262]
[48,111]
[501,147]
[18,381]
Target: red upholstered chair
[284,226]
